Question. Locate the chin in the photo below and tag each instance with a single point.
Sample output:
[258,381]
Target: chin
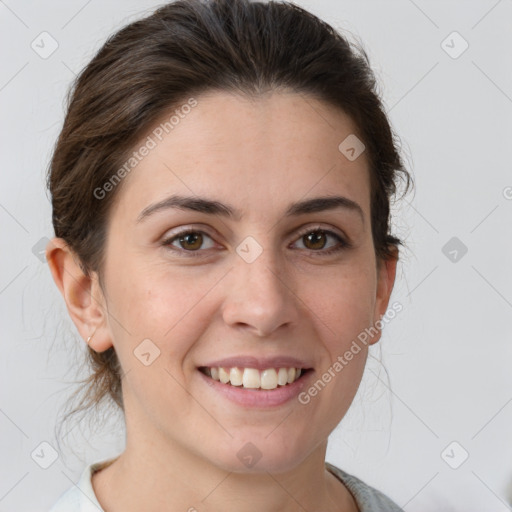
[259,454]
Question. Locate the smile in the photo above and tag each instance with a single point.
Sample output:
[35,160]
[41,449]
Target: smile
[252,378]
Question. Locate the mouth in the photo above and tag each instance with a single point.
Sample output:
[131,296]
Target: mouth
[255,379]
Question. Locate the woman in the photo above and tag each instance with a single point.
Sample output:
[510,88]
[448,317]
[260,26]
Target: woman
[220,194]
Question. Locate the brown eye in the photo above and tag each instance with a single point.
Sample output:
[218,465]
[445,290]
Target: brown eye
[315,240]
[191,241]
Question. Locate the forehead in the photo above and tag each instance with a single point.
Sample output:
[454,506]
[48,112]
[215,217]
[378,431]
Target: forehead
[251,152]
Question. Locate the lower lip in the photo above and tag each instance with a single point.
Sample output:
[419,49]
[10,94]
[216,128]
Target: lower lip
[258,398]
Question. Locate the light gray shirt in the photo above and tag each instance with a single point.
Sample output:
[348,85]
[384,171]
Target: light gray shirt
[367,498]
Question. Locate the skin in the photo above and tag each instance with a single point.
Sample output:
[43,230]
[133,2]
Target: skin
[182,440]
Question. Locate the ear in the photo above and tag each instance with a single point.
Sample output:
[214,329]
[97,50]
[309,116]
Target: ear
[386,273]
[83,295]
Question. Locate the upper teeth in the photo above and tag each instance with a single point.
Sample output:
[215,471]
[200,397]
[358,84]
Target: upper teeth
[253,378]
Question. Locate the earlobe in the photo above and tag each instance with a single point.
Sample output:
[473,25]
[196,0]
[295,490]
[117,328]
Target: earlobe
[80,292]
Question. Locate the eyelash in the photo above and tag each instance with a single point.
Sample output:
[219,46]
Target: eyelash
[343,244]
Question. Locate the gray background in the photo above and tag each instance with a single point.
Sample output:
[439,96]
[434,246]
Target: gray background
[448,353]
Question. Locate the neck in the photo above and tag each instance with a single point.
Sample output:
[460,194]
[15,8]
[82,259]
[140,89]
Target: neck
[155,473]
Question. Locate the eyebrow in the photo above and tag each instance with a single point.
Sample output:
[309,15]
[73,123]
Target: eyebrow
[212,207]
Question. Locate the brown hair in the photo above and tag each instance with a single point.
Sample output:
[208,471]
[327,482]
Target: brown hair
[184,48]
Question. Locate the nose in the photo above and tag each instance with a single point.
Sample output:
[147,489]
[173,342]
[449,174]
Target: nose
[260,297]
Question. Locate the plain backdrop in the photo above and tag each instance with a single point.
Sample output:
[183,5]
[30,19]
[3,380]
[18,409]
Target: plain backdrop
[436,435]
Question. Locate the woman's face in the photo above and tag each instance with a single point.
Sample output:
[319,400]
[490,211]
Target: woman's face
[259,284]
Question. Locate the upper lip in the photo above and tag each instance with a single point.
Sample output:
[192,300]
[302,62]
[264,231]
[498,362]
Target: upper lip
[260,363]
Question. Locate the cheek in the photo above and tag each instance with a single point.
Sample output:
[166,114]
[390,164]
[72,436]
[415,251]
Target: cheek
[341,304]
[158,318]
[341,310]
[166,307]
